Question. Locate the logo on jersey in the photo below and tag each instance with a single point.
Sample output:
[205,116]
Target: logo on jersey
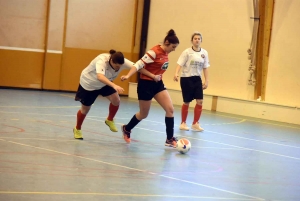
[165,65]
[203,56]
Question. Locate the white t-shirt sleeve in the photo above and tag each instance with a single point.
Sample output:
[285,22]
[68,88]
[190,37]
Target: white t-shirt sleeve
[146,59]
[100,66]
[127,64]
[183,58]
[206,61]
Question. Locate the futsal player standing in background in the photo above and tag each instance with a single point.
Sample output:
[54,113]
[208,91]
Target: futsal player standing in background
[192,61]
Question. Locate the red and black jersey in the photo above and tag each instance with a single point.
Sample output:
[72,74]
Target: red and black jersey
[155,61]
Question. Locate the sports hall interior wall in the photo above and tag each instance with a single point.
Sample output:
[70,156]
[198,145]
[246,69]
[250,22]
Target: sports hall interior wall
[45,44]
[227,32]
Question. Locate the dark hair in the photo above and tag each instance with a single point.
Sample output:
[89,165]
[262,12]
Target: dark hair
[117,57]
[196,33]
[171,37]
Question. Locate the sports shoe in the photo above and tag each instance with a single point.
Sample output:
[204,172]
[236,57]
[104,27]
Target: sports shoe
[171,142]
[111,125]
[126,134]
[196,127]
[77,134]
[184,127]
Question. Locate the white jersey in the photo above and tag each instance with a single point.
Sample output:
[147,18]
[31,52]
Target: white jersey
[88,77]
[192,62]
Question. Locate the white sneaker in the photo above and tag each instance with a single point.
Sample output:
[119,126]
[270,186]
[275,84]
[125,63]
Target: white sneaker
[196,127]
[184,127]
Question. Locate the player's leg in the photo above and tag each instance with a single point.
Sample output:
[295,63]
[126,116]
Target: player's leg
[184,114]
[197,114]
[114,99]
[87,98]
[145,95]
[198,107]
[187,95]
[164,99]
[139,116]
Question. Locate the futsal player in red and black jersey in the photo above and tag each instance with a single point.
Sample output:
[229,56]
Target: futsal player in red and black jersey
[150,85]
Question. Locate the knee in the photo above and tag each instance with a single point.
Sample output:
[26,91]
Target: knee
[143,115]
[85,109]
[199,102]
[170,111]
[186,104]
[115,101]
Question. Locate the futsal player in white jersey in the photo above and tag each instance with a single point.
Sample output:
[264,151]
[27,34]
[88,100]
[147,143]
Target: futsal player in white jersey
[96,79]
[191,63]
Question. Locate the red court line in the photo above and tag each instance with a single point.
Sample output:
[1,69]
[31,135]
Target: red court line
[19,129]
[98,133]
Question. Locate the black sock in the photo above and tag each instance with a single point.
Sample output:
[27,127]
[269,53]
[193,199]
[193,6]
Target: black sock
[169,127]
[133,122]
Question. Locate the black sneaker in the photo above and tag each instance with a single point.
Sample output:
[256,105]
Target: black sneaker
[126,134]
[171,142]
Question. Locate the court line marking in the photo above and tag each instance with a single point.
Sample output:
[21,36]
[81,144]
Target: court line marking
[39,107]
[223,115]
[124,195]
[214,133]
[226,144]
[91,118]
[94,140]
[134,169]
[243,120]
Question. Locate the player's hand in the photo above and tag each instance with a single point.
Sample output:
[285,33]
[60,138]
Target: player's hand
[176,78]
[157,78]
[119,89]
[124,77]
[204,86]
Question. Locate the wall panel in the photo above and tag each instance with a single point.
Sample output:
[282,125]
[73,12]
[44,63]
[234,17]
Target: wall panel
[283,83]
[22,23]
[53,62]
[227,30]
[21,69]
[22,40]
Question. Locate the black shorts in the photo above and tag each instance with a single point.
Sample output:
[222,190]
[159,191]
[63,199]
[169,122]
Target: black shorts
[191,88]
[87,98]
[147,89]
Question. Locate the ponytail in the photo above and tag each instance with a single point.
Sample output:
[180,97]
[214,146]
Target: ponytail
[171,37]
[117,57]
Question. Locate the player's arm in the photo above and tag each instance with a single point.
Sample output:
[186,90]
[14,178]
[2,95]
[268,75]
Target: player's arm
[181,62]
[205,72]
[156,78]
[139,66]
[176,76]
[100,70]
[143,71]
[106,81]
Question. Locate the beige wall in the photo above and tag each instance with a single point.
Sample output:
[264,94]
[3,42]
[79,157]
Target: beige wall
[71,32]
[22,39]
[56,25]
[227,31]
[283,83]
[22,23]
[226,28]
[94,24]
